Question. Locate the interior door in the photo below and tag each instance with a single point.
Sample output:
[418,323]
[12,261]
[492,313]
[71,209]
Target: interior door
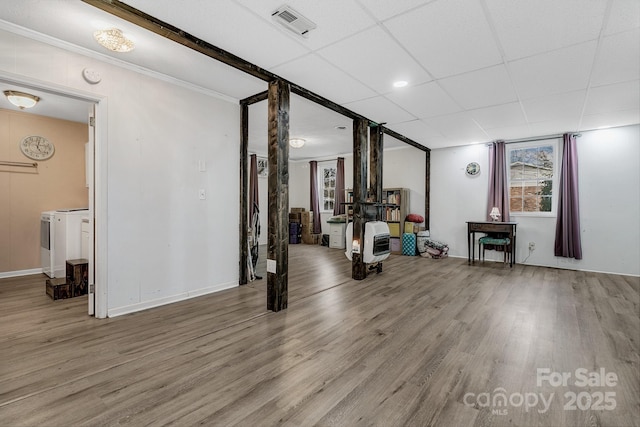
[90,176]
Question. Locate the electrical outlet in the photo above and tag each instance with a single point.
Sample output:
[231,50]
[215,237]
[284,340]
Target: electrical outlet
[532,246]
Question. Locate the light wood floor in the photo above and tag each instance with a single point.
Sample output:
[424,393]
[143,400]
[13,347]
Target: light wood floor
[427,342]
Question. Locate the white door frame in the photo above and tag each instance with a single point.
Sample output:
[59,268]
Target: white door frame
[97,185]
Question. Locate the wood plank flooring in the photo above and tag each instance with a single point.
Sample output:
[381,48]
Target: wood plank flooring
[425,343]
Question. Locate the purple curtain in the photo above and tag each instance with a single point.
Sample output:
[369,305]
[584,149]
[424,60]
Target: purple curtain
[338,207]
[567,242]
[314,202]
[498,190]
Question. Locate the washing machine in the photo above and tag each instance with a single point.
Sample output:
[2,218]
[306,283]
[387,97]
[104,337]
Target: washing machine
[47,241]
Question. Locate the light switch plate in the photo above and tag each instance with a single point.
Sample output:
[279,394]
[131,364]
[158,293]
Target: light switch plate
[201,194]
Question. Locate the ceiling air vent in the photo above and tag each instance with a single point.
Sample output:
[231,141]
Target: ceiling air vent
[293,20]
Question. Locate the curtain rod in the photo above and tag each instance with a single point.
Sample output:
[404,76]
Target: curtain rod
[540,138]
[18,164]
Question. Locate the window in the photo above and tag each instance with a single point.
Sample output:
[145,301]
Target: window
[531,177]
[327,183]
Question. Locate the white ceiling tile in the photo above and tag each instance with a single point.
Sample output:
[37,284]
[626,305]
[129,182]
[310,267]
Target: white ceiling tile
[615,62]
[531,27]
[384,9]
[624,15]
[618,118]
[553,72]
[459,128]
[335,19]
[229,26]
[375,59]
[552,127]
[499,116]
[552,107]
[313,73]
[380,110]
[481,88]
[509,132]
[417,130]
[612,98]
[447,37]
[426,100]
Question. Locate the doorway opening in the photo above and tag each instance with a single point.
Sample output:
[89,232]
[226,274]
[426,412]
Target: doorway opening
[62,186]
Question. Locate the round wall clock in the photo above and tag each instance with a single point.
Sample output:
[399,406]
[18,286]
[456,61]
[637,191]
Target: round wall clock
[473,169]
[37,147]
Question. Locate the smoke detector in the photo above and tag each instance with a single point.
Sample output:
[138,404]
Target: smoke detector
[292,20]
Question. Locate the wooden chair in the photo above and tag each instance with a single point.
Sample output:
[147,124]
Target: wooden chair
[495,241]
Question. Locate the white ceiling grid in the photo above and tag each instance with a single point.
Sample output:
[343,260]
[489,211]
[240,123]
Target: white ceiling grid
[477,69]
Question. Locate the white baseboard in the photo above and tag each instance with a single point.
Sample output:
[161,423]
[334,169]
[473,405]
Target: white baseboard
[119,311]
[19,273]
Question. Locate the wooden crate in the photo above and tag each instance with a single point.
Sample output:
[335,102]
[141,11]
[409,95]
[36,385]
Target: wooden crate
[78,276]
[58,289]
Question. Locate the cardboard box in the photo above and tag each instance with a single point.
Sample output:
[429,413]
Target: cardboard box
[294,217]
[296,210]
[311,239]
[306,217]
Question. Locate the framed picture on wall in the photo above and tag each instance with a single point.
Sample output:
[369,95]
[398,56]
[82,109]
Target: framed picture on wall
[263,172]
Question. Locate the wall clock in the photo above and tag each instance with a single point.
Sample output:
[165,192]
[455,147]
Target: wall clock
[473,169]
[37,147]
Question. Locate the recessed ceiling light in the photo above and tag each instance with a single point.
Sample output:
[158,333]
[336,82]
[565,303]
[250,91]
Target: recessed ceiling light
[114,40]
[400,83]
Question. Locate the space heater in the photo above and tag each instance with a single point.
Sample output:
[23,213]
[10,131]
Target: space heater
[376,242]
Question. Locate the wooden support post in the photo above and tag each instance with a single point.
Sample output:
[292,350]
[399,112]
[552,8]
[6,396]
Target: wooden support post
[358,268]
[244,192]
[427,190]
[278,165]
[375,164]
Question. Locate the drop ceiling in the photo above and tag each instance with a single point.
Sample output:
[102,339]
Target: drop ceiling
[478,70]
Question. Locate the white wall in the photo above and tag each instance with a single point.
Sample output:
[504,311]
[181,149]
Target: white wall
[405,168]
[163,243]
[609,203]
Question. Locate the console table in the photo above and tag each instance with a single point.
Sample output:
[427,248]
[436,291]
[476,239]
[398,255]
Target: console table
[488,227]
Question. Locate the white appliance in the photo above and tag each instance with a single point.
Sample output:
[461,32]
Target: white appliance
[68,238]
[47,240]
[376,242]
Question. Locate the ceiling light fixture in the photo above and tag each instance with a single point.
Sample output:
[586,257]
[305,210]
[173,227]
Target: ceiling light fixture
[400,83]
[20,99]
[341,127]
[114,40]
[296,142]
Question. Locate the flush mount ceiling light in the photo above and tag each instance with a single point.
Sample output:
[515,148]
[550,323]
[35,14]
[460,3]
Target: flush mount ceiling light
[296,142]
[20,99]
[400,83]
[114,40]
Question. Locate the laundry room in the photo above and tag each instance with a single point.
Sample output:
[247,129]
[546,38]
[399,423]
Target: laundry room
[42,169]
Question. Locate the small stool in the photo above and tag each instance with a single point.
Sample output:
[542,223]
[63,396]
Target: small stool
[496,241]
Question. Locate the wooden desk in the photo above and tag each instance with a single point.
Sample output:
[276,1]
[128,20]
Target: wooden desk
[507,228]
